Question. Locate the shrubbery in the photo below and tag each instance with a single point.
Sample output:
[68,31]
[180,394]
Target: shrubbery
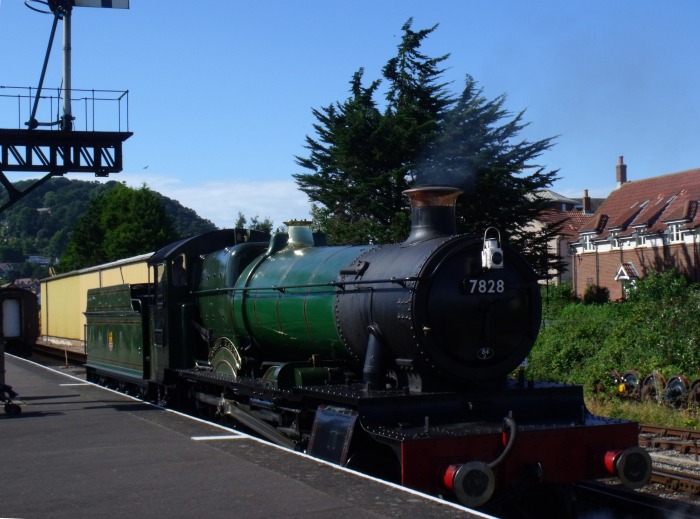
[657,328]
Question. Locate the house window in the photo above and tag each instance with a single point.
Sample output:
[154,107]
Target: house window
[641,240]
[674,233]
[614,241]
[588,243]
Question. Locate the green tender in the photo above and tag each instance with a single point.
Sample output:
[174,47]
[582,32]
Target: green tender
[114,332]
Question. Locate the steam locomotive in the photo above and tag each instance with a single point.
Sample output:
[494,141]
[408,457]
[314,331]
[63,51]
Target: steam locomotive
[389,359]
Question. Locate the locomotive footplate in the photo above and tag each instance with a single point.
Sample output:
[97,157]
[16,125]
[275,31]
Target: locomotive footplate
[521,434]
[402,415]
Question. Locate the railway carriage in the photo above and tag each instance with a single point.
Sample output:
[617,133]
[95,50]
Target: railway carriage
[19,310]
[389,359]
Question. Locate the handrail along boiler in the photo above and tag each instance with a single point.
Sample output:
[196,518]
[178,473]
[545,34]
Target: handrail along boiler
[390,359]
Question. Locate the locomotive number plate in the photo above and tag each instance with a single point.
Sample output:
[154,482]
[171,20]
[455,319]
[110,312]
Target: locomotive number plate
[484,286]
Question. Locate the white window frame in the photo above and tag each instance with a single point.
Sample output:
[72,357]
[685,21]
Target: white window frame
[588,245]
[675,234]
[640,240]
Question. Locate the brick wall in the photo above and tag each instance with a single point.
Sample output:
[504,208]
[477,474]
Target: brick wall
[599,268]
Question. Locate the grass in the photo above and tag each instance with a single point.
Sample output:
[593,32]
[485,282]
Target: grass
[644,412]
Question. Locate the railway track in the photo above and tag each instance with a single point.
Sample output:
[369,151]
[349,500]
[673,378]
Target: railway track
[657,430]
[676,464]
[675,480]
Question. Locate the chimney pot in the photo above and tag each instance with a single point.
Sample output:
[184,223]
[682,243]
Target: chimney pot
[621,172]
[586,202]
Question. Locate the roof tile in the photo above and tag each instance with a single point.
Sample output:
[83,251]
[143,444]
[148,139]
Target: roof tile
[649,204]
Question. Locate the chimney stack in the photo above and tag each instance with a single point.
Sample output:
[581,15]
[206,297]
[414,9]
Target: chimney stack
[586,202]
[433,212]
[621,172]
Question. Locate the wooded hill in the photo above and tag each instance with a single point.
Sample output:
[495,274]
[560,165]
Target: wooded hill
[40,224]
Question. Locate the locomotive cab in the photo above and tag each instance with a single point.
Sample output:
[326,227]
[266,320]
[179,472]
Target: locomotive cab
[177,340]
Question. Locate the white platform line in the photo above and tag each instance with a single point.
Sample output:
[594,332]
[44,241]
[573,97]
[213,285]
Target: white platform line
[225,437]
[75,384]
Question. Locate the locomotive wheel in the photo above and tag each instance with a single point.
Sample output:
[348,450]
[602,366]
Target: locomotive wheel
[653,387]
[676,392]
[225,358]
[615,380]
[631,380]
[694,393]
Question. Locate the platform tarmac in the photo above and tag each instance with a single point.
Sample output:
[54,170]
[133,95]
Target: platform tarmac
[78,450]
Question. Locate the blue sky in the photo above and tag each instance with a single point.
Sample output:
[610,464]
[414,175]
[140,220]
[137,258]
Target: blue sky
[220,93]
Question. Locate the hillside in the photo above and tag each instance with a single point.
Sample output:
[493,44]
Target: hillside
[40,224]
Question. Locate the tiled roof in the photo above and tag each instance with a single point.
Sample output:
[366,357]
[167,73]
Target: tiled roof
[626,272]
[649,205]
[572,220]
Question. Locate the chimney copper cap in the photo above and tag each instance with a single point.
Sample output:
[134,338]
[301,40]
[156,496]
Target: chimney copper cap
[433,196]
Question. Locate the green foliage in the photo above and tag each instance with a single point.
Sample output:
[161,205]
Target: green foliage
[555,298]
[596,295]
[476,150]
[120,223]
[185,221]
[643,412]
[567,345]
[255,223]
[362,157]
[40,224]
[657,328]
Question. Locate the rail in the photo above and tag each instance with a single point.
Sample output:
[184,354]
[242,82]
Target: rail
[686,434]
[678,481]
[93,110]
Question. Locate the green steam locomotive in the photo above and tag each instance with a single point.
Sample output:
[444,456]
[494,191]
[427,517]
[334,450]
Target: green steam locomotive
[389,359]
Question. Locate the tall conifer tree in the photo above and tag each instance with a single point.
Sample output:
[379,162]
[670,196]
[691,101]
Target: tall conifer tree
[363,157]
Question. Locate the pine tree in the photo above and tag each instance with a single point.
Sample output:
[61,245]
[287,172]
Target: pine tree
[476,150]
[363,158]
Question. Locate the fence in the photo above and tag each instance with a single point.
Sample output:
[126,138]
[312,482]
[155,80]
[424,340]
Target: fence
[92,110]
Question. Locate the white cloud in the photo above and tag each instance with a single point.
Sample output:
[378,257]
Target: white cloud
[221,201]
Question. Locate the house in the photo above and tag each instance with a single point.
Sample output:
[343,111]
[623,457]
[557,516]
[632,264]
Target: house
[568,214]
[643,226]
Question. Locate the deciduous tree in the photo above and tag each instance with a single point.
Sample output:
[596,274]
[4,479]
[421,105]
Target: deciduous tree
[119,223]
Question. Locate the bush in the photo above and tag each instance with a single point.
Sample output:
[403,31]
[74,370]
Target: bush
[596,295]
[569,349]
[555,298]
[656,329]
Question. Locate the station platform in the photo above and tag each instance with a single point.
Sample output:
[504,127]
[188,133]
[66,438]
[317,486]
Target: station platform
[79,450]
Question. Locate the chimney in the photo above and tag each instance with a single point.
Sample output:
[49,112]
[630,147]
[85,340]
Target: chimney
[586,202]
[432,212]
[621,171]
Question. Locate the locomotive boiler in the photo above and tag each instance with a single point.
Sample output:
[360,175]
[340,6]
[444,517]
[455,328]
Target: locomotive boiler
[389,359]
[425,313]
